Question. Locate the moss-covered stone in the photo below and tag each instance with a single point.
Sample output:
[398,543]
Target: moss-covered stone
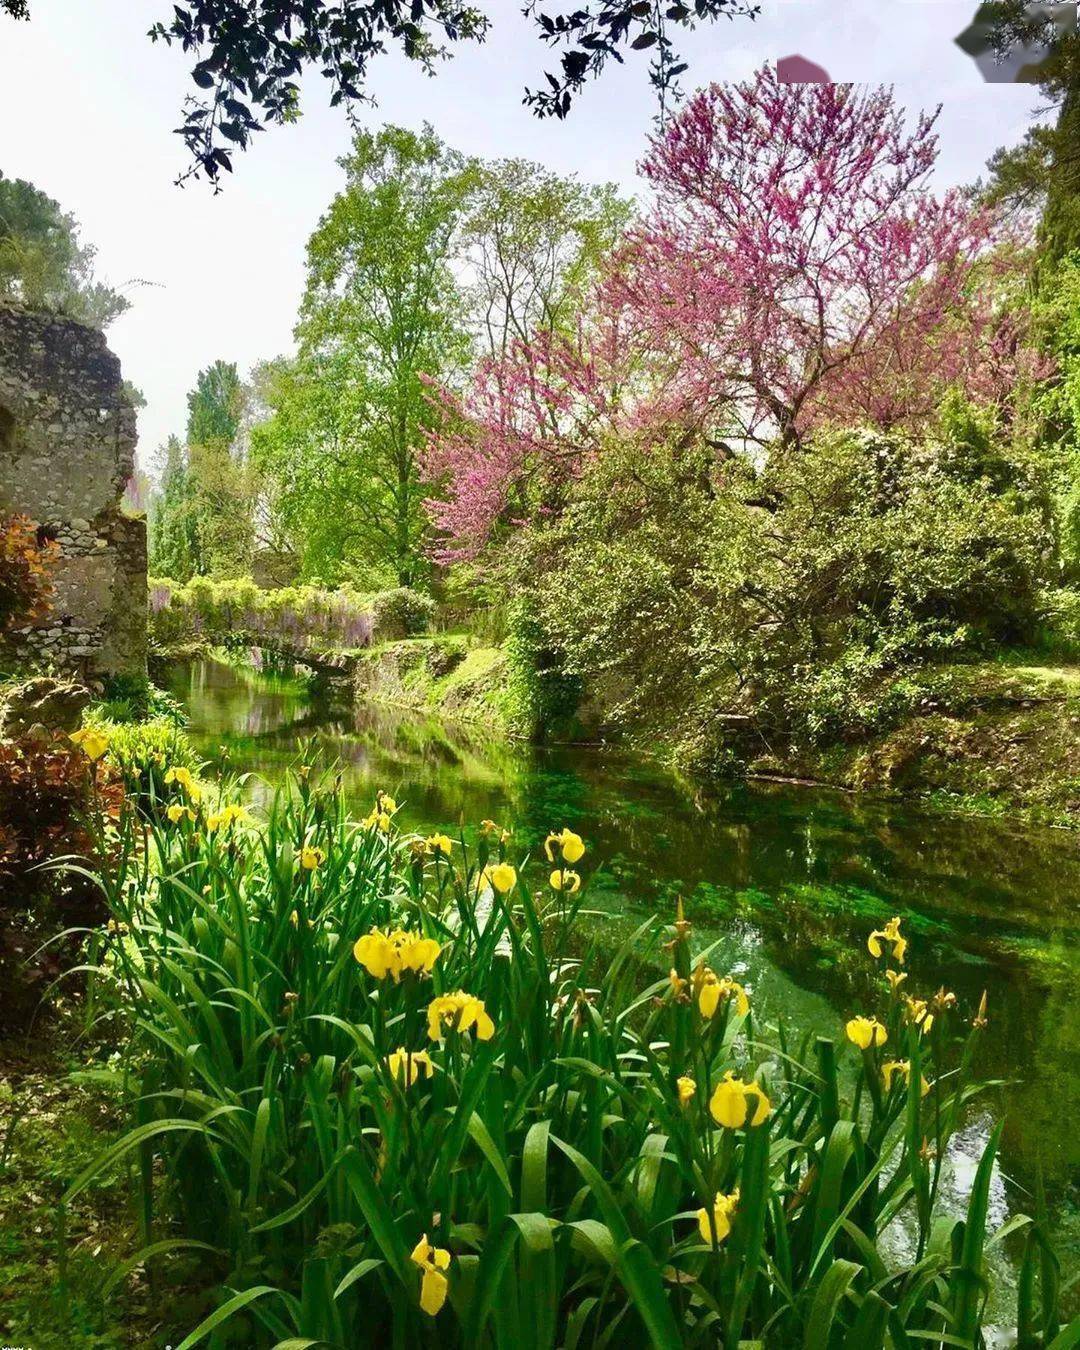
[441,674]
[987,739]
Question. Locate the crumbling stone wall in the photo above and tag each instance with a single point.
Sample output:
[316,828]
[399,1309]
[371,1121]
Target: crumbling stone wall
[67,450]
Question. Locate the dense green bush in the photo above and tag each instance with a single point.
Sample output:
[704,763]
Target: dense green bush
[401,612]
[794,592]
[1058,633]
[367,1081]
[540,698]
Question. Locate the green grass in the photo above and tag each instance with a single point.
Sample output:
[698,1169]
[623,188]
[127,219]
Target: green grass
[53,1123]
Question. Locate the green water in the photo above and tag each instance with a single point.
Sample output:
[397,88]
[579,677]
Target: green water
[790,880]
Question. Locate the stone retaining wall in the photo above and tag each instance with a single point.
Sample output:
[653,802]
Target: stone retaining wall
[67,447]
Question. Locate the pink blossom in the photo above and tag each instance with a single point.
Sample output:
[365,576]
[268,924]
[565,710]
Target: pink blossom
[794,270]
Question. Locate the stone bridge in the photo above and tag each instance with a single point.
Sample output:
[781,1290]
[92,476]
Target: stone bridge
[327,663]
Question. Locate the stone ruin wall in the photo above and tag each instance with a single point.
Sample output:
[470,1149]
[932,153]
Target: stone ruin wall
[67,451]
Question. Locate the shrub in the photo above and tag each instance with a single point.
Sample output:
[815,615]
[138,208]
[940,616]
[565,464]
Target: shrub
[402,612]
[539,698]
[1059,628]
[793,592]
[364,1069]
[135,698]
[50,791]
[25,566]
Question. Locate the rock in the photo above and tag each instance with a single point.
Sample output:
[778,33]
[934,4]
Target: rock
[53,705]
[443,660]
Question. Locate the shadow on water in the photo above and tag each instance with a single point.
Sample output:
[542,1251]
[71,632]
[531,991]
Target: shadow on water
[789,880]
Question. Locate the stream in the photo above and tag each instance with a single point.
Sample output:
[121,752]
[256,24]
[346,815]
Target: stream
[789,879]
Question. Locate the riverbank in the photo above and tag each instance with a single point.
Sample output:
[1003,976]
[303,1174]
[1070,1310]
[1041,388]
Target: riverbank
[982,739]
[987,739]
[441,674]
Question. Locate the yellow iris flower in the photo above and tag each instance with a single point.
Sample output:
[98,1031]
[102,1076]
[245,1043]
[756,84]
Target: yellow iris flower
[183,777]
[311,857]
[573,849]
[92,743]
[724,1207]
[890,933]
[735,1103]
[562,879]
[500,876]
[917,1011]
[383,954]
[384,802]
[892,1067]
[406,1066]
[709,989]
[459,1011]
[439,843]
[376,818]
[226,817]
[896,978]
[687,1087]
[176,813]
[434,1286]
[866,1032]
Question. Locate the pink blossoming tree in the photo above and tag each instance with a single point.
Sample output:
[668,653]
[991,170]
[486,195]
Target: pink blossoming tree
[795,270]
[507,447]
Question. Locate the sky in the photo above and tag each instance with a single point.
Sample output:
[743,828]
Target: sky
[87,106]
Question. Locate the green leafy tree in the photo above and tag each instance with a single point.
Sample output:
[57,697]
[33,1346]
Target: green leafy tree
[215,405]
[1057,401]
[43,264]
[220,478]
[533,242]
[1043,171]
[173,539]
[201,517]
[382,315]
[316,511]
[336,452]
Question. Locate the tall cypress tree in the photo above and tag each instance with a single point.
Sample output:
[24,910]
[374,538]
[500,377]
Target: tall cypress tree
[1059,230]
[174,544]
[221,489]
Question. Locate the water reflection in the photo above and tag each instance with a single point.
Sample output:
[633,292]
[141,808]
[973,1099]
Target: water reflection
[788,880]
